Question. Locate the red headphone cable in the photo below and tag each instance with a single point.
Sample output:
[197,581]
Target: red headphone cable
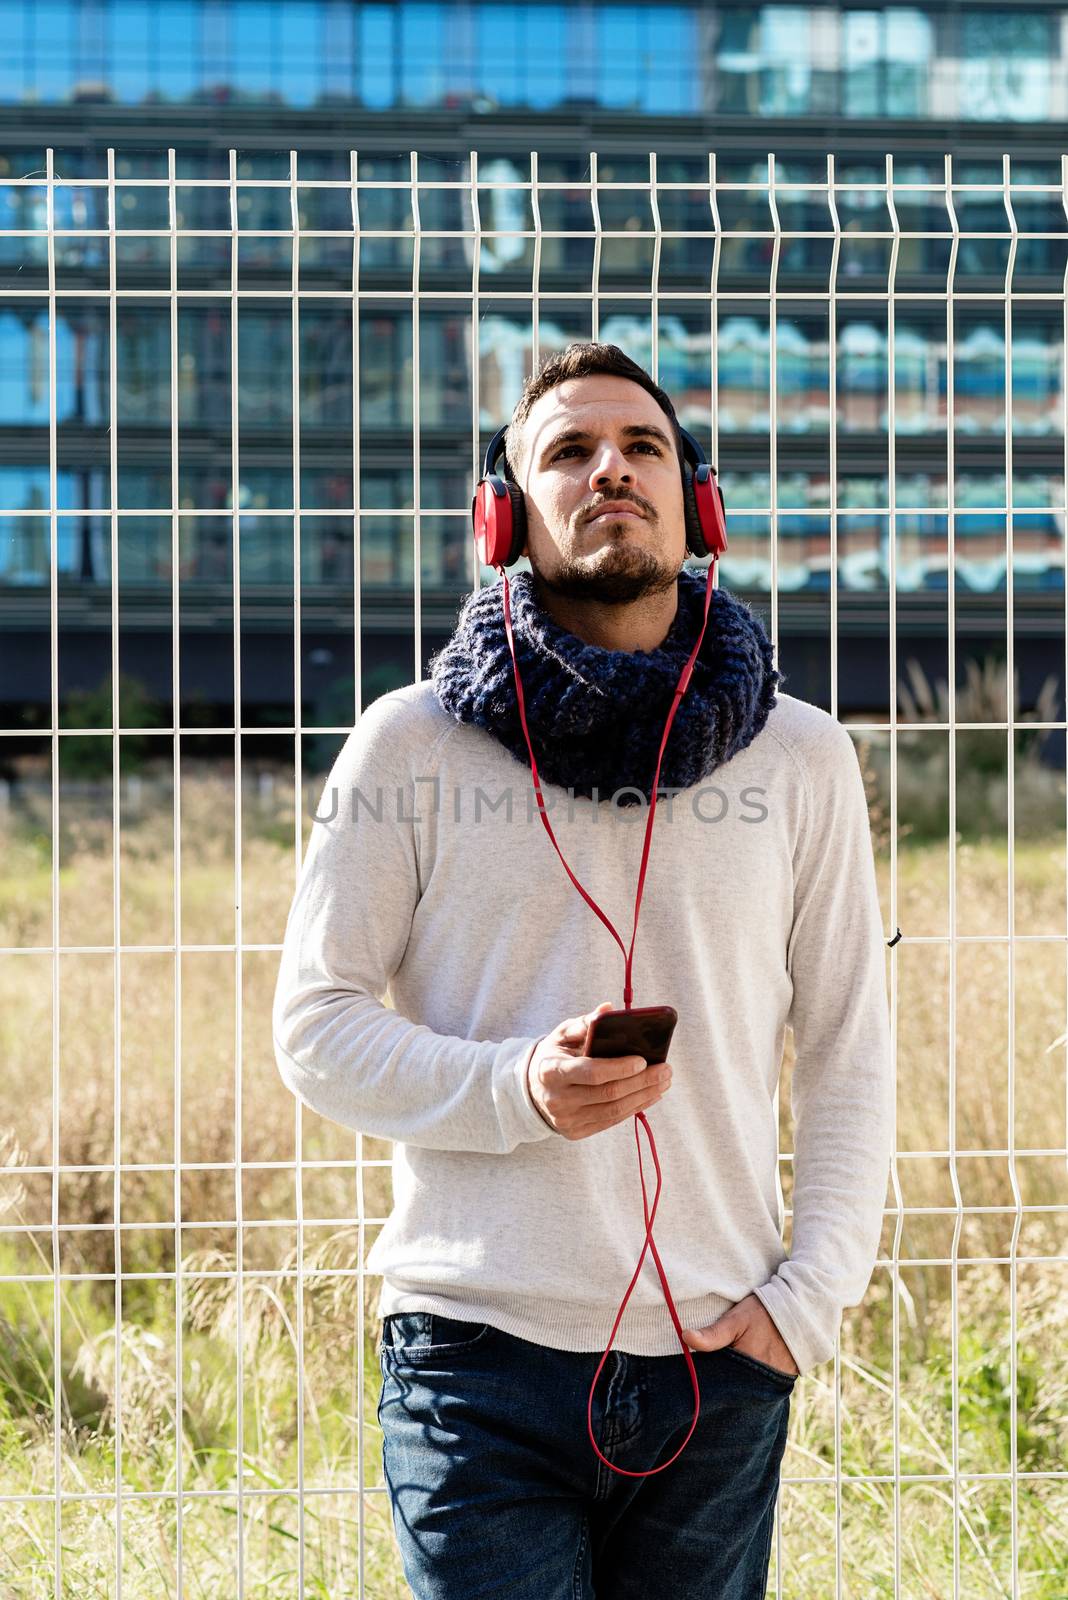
[628,994]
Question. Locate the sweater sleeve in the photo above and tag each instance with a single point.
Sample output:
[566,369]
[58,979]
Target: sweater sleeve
[342,1051]
[842,1096]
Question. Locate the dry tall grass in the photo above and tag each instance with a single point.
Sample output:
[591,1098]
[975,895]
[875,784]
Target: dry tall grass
[338,1331]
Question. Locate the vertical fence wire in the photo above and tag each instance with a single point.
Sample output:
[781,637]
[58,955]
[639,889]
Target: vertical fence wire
[176,897]
[1010,737]
[832,290]
[598,243]
[298,1131]
[116,912]
[891,582]
[476,353]
[360,1376]
[773,402]
[832,419]
[654,282]
[1063,1040]
[357,526]
[713,309]
[239,1037]
[53,627]
[535,206]
[895,1177]
[773,412]
[954,1178]
[417,500]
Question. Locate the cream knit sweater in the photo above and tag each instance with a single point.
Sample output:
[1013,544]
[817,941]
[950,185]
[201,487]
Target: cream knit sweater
[436,886]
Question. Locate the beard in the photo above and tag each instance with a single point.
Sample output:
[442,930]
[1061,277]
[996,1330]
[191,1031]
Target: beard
[617,575]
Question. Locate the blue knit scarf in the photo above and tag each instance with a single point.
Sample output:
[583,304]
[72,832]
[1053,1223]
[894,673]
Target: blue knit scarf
[596,716]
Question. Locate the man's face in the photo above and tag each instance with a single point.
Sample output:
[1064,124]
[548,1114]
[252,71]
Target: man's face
[612,558]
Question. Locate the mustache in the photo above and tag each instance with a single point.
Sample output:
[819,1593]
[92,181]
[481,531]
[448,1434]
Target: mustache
[620,499]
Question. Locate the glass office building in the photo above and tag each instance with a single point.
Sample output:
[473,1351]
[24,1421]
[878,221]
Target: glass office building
[327,77]
[972,63]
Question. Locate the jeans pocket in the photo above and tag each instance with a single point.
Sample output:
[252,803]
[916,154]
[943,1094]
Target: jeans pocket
[415,1338]
[787,1379]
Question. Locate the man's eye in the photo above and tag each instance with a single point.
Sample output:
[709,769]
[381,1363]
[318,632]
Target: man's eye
[642,444]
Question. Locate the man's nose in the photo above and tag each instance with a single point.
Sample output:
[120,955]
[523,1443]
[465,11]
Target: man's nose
[609,463]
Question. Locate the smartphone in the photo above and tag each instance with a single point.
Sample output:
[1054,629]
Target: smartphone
[644,1031]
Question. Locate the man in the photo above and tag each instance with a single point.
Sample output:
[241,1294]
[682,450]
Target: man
[517,1218]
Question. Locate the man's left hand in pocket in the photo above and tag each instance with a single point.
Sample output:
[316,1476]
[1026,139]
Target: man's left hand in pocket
[748,1327]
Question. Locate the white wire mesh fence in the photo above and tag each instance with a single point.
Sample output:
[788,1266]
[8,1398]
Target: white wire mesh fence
[189,1360]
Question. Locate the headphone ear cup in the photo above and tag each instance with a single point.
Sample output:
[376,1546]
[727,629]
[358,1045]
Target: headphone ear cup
[706,512]
[499,521]
[695,539]
[519,521]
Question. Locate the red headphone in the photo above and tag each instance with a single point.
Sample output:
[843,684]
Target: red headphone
[498,513]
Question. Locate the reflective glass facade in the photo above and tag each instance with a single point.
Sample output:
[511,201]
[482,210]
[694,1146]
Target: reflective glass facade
[921,369]
[266,74]
[757,361]
[967,63]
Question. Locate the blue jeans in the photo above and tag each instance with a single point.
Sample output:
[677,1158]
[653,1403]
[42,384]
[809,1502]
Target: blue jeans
[496,1491]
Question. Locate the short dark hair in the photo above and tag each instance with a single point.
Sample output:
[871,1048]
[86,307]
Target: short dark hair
[580,360]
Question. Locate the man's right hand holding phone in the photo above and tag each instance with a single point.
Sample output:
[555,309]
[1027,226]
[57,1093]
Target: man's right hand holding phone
[579,1095]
